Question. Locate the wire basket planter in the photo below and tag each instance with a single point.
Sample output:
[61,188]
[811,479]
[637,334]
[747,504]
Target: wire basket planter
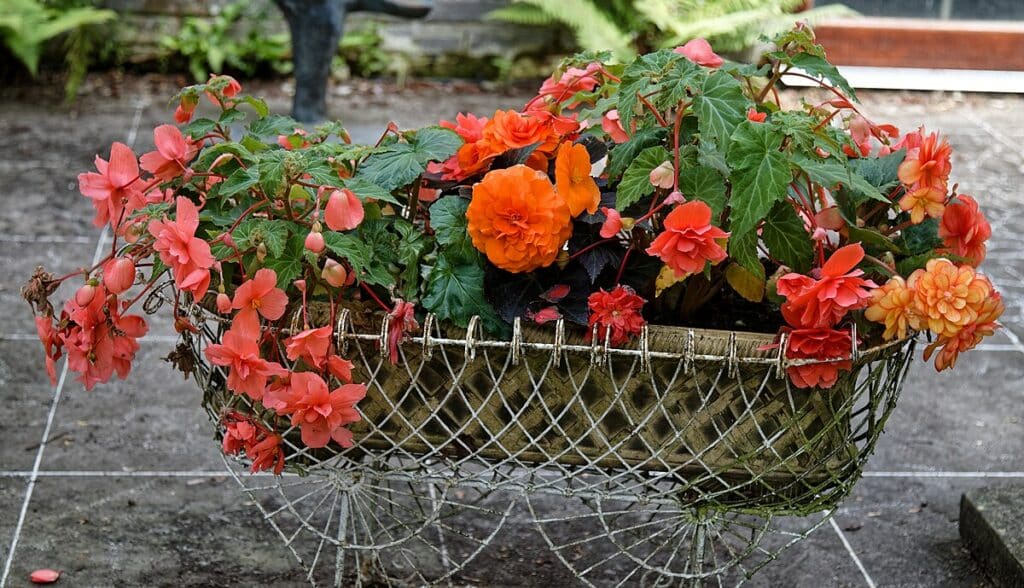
[688,457]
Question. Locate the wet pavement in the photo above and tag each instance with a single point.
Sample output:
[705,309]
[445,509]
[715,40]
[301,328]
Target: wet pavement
[125,486]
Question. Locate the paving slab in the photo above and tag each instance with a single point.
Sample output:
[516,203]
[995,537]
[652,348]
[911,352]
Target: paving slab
[905,532]
[12,495]
[151,421]
[992,526]
[967,419]
[149,532]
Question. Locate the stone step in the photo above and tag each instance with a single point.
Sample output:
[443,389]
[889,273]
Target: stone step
[992,527]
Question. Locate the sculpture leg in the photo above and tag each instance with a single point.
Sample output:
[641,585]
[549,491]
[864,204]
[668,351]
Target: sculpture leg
[316,26]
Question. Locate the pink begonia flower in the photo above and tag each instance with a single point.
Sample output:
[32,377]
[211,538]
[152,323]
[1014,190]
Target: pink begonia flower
[320,414]
[468,126]
[261,295]
[310,344]
[610,124]
[663,176]
[403,320]
[113,190]
[188,256]
[340,368]
[699,51]
[239,350]
[344,210]
[755,116]
[119,274]
[821,303]
[173,152]
[612,222]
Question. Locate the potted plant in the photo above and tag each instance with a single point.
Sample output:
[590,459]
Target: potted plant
[654,283]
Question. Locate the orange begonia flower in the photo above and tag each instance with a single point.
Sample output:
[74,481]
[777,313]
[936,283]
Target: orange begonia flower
[514,130]
[517,219]
[948,297]
[893,306]
[968,337]
[925,172]
[964,230]
[573,181]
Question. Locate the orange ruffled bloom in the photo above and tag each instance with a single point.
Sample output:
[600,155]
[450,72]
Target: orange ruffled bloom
[968,337]
[948,297]
[514,130]
[964,230]
[573,181]
[926,173]
[689,240]
[517,219]
[893,306]
[821,344]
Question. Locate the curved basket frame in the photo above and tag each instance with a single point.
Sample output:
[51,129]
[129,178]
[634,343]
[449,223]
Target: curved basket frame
[412,495]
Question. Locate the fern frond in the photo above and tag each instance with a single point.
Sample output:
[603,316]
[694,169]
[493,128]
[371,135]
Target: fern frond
[594,30]
[521,14]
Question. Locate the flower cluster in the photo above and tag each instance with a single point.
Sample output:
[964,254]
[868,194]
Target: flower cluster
[674,190]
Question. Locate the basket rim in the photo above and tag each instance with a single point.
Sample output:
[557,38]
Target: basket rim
[663,342]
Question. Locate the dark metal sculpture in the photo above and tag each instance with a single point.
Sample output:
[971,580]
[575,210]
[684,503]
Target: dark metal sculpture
[316,27]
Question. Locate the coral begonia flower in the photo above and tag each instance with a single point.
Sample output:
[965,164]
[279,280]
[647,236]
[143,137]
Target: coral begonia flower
[964,230]
[344,210]
[310,344]
[947,297]
[52,345]
[340,368]
[573,181]
[113,191]
[572,81]
[558,125]
[821,303]
[611,124]
[617,311]
[261,295]
[468,126]
[689,239]
[968,338]
[755,116]
[173,152]
[699,51]
[517,219]
[239,350]
[322,415]
[261,446]
[188,256]
[403,322]
[820,344]
[612,223]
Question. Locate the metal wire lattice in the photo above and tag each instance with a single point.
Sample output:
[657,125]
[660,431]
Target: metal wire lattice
[686,459]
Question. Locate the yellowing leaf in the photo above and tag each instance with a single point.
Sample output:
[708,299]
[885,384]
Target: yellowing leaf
[666,279]
[745,282]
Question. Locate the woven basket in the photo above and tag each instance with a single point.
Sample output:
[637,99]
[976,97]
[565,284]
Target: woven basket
[705,415]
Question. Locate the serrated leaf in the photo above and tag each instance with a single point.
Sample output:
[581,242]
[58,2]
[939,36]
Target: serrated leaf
[818,66]
[199,127]
[360,257]
[273,125]
[641,77]
[921,238]
[455,292]
[624,153]
[720,106]
[448,219]
[787,239]
[710,156]
[706,185]
[230,115]
[880,172]
[271,171]
[239,181]
[272,233]
[288,266]
[831,172]
[412,246]
[365,190]
[743,250]
[760,175]
[398,164]
[746,284]
[636,181]
[873,239]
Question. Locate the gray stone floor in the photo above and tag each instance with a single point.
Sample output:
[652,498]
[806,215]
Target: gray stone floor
[123,485]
